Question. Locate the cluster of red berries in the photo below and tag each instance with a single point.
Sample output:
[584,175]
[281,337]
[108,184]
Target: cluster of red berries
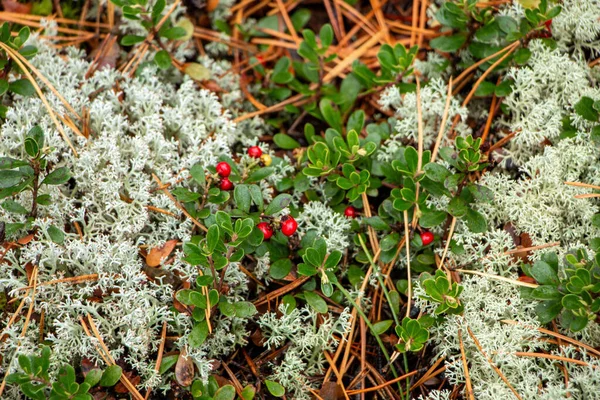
[288,227]
[224,170]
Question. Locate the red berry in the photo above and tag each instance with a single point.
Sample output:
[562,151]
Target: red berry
[266,229]
[289,226]
[261,60]
[254,152]
[426,238]
[223,169]
[226,184]
[548,25]
[350,212]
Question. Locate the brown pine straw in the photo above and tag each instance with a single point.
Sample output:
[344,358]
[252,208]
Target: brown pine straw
[488,123]
[6,14]
[431,372]
[177,204]
[288,21]
[275,42]
[16,59]
[161,349]
[556,335]
[34,275]
[469,387]
[482,61]
[72,280]
[422,19]
[502,141]
[440,135]
[364,24]
[415,13]
[486,73]
[554,357]
[379,387]
[281,291]
[580,184]
[494,367]
[354,56]
[524,249]
[498,278]
[106,356]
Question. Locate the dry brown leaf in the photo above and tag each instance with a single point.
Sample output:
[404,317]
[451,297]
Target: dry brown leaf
[16,7]
[184,369]
[26,239]
[157,254]
[331,391]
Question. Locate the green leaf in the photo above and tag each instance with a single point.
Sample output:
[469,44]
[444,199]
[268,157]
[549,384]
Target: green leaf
[212,237]
[281,74]
[484,89]
[458,207]
[522,56]
[316,302]
[111,376]
[93,377]
[56,235]
[174,33]
[162,59]
[11,163]
[197,173]
[507,24]
[382,326]
[326,35]
[488,33]
[260,174]
[14,207]
[10,178]
[377,223]
[198,335]
[22,87]
[248,393]
[331,114]
[285,142]
[280,268]
[226,392]
[448,44]
[544,274]
[130,40]
[548,310]
[546,292]
[57,177]
[436,172]
[244,309]
[31,147]
[585,108]
[242,197]
[275,388]
[278,203]
[572,302]
[3,86]
[167,362]
[475,221]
